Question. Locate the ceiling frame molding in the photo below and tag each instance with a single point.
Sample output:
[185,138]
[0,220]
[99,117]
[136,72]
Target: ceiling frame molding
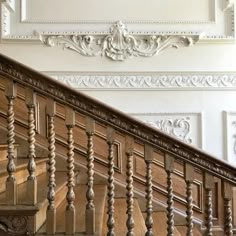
[121,81]
[215,30]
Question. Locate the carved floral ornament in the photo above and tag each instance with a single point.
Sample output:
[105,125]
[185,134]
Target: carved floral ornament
[119,44]
[177,127]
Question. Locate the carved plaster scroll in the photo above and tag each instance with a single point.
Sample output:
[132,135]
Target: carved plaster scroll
[178,127]
[119,44]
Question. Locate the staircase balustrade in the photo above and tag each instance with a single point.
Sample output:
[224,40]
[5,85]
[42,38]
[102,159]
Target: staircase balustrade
[70,196]
[110,183]
[90,208]
[129,186]
[208,185]
[189,178]
[176,154]
[30,100]
[169,167]
[51,210]
[11,185]
[148,156]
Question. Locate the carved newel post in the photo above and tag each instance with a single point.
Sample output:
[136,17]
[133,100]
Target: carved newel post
[11,185]
[30,101]
[70,196]
[90,208]
[51,210]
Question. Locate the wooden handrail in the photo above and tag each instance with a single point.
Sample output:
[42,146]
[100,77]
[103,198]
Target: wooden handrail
[114,118]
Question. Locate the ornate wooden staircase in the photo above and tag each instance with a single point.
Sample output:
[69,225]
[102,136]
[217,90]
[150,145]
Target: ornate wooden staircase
[72,165]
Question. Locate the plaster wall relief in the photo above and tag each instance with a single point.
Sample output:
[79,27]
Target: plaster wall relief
[230,135]
[155,81]
[119,45]
[184,126]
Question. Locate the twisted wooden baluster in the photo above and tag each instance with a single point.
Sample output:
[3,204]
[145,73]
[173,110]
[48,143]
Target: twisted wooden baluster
[148,156]
[189,178]
[169,167]
[51,210]
[228,218]
[11,185]
[90,209]
[70,196]
[208,185]
[31,181]
[129,188]
[227,195]
[189,211]
[208,213]
[110,185]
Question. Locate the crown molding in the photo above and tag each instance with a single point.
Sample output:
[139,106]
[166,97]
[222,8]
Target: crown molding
[148,81]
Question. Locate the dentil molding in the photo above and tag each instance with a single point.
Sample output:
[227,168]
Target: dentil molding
[119,44]
[155,81]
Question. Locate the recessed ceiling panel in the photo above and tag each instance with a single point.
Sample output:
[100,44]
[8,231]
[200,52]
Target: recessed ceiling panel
[71,11]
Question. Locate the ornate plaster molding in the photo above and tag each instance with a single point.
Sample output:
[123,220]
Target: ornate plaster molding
[168,81]
[6,8]
[177,127]
[228,4]
[119,44]
[234,137]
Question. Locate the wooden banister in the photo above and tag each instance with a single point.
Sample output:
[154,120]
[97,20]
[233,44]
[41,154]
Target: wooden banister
[110,116]
[147,160]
